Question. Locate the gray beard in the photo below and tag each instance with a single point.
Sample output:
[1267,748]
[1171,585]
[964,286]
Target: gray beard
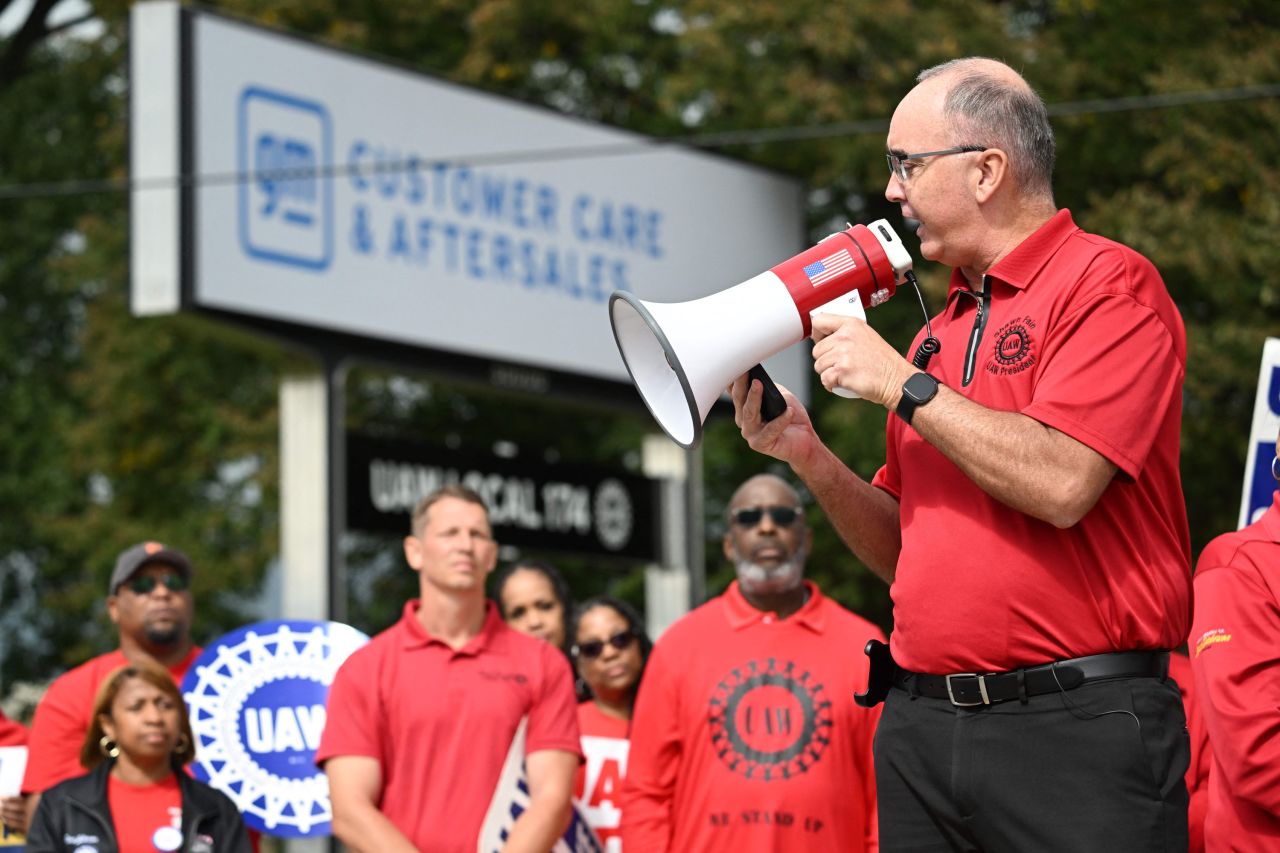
[783,577]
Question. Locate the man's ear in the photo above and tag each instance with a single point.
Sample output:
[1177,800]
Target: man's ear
[113,609]
[413,552]
[992,174]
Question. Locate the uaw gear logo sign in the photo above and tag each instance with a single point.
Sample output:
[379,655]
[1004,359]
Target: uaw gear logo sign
[257,702]
[770,720]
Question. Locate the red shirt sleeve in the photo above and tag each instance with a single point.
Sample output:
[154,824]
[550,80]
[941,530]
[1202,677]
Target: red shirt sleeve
[1236,662]
[353,718]
[654,760]
[57,733]
[1087,386]
[553,719]
[12,733]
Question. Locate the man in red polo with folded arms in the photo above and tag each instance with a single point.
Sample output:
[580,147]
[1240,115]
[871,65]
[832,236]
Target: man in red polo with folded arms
[420,720]
[1029,514]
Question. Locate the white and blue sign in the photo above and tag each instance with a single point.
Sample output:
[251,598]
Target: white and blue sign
[286,205]
[1259,484]
[336,193]
[257,703]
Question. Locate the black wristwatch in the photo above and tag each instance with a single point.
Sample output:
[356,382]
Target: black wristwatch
[916,391]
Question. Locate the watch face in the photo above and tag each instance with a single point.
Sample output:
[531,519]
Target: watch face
[920,388]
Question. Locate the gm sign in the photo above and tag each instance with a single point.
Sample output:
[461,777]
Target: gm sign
[286,203]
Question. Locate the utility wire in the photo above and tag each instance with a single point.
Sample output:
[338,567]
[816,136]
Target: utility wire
[725,139]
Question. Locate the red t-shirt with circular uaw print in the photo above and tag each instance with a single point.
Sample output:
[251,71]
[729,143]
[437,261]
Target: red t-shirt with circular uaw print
[1079,334]
[598,788]
[746,736]
[146,817]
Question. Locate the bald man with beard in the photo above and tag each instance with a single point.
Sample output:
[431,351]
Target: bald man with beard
[746,736]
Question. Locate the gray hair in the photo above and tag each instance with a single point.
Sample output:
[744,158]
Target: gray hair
[984,107]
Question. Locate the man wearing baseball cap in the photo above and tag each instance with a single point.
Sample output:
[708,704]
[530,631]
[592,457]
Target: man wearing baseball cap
[149,600]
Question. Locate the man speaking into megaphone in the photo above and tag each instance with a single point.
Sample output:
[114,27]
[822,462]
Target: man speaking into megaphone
[1029,514]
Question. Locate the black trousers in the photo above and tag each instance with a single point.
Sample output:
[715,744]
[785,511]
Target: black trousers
[1099,768]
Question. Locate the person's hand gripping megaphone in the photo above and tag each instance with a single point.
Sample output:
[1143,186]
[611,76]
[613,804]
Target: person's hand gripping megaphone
[830,316]
[681,356]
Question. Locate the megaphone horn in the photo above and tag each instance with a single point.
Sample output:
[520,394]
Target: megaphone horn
[682,355]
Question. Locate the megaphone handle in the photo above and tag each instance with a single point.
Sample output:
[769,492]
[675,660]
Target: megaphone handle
[771,404]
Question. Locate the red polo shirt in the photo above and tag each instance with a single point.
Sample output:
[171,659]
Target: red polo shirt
[1081,335]
[440,721]
[64,714]
[1235,657]
[746,738]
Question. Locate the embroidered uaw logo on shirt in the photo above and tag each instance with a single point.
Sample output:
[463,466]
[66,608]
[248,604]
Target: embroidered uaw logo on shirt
[1014,348]
[770,720]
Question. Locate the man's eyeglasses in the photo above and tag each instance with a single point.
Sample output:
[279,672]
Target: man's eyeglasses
[900,165]
[783,516]
[143,584]
[592,649]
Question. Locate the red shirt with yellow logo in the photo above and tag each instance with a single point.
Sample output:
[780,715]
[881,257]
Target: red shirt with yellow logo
[1235,657]
[746,737]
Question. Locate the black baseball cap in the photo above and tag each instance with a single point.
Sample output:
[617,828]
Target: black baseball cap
[145,553]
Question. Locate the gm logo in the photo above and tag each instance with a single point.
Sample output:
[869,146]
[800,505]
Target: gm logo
[286,203]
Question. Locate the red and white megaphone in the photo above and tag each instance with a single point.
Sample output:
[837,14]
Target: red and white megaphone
[682,355]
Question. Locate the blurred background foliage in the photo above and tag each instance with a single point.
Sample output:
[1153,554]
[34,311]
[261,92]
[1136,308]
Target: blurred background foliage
[116,429]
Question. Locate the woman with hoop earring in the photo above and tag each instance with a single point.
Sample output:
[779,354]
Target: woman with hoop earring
[136,796]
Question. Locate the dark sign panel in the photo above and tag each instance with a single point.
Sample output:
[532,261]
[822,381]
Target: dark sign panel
[577,509]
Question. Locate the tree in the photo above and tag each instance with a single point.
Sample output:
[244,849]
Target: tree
[118,428]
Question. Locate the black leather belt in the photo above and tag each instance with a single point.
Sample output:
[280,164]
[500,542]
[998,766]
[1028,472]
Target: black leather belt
[968,689]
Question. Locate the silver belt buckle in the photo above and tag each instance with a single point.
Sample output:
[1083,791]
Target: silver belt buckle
[982,690]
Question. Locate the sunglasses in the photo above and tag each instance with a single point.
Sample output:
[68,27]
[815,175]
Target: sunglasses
[594,648]
[143,584]
[782,516]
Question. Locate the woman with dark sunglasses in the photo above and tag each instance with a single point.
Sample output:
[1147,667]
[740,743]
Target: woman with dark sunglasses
[610,650]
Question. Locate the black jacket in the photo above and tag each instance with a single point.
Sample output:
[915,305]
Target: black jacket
[74,815]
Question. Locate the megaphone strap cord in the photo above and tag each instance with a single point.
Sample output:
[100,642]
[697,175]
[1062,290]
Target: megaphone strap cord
[930,346]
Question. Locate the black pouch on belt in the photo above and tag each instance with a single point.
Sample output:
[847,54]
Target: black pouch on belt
[880,676]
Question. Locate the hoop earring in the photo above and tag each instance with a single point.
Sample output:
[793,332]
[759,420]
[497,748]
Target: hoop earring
[1275,467]
[109,748]
[181,743]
